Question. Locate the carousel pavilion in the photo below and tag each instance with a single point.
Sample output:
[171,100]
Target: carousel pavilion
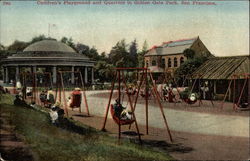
[49,56]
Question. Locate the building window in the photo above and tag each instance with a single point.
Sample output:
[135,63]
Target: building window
[175,62]
[146,63]
[163,62]
[169,62]
[153,63]
[181,60]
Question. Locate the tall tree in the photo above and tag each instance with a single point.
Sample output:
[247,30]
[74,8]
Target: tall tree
[119,55]
[17,46]
[38,38]
[142,53]
[189,53]
[69,42]
[133,59]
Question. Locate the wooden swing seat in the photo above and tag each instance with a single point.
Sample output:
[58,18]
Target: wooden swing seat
[117,120]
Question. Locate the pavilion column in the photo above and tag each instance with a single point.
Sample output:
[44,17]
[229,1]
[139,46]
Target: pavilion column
[73,75]
[54,75]
[17,74]
[6,75]
[248,99]
[215,87]
[92,75]
[3,74]
[34,69]
[86,75]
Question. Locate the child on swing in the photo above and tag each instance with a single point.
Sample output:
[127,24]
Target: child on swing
[121,111]
[75,99]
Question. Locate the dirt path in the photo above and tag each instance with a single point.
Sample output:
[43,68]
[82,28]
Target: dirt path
[179,120]
[197,135]
[186,146]
[11,146]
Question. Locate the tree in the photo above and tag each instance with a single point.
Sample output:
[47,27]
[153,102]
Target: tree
[82,48]
[69,42]
[2,47]
[38,38]
[142,53]
[189,66]
[104,71]
[133,59]
[189,53]
[119,54]
[17,46]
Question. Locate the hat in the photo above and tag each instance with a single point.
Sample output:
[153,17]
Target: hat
[77,89]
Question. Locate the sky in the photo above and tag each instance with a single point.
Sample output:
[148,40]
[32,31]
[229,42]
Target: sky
[223,27]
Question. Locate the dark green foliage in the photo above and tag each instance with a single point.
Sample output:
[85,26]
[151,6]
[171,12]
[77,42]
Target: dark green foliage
[119,54]
[142,53]
[189,66]
[133,59]
[105,71]
[18,46]
[68,41]
[189,53]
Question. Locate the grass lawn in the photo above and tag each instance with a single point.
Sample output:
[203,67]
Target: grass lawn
[52,143]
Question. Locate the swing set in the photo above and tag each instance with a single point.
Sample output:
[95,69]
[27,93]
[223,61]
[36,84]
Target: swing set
[119,77]
[236,102]
[76,95]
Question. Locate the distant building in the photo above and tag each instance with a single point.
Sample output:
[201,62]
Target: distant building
[219,71]
[51,56]
[169,56]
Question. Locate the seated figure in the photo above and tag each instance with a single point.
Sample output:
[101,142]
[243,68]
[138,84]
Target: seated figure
[50,97]
[19,102]
[75,99]
[118,108]
[126,115]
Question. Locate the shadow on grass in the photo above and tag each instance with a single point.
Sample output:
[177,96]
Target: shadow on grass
[131,133]
[164,146]
[72,126]
[180,148]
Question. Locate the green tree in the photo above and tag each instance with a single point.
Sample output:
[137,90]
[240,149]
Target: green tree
[119,54]
[38,38]
[69,42]
[189,66]
[104,71]
[133,58]
[17,46]
[189,53]
[142,53]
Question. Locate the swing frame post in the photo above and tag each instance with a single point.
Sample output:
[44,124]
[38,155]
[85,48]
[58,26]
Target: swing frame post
[64,96]
[174,81]
[51,84]
[137,94]
[110,97]
[84,96]
[234,88]
[161,107]
[224,99]
[246,77]
[166,80]
[82,88]
[145,74]
[146,100]
[132,108]
[199,86]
